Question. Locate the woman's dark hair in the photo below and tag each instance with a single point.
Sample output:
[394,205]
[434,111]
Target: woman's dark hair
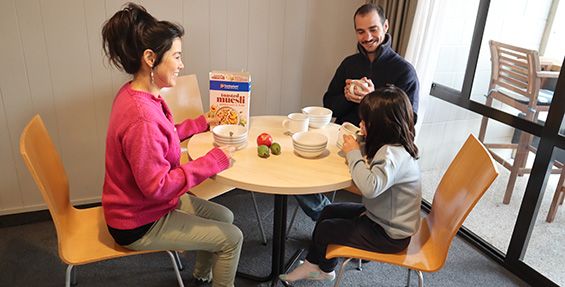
[389,119]
[131,31]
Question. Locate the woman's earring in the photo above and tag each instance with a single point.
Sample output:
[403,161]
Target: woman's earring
[151,75]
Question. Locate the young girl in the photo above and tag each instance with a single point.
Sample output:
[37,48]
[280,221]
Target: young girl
[388,179]
[144,197]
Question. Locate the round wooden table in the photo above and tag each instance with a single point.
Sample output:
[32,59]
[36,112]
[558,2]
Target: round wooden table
[280,175]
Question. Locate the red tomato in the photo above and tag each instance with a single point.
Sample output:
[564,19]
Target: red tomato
[264,139]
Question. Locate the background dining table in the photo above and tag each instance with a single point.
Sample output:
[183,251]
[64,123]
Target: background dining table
[279,175]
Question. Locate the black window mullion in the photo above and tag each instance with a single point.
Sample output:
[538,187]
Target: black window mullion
[473,59]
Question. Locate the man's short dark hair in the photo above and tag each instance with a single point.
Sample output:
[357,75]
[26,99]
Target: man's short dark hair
[368,8]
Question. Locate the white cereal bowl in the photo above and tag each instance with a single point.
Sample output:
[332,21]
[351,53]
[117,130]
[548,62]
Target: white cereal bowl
[310,139]
[317,112]
[309,154]
[223,131]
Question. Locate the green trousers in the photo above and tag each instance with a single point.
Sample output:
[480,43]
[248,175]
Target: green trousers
[205,227]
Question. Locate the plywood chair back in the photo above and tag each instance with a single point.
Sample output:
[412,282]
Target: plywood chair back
[468,177]
[184,101]
[82,235]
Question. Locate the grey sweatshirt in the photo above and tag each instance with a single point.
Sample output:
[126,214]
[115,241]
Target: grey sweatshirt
[391,188]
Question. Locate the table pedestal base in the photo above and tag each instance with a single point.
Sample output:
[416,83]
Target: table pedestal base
[279,234]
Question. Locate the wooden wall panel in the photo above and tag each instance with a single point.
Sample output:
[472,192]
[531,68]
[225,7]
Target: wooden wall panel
[237,36]
[257,55]
[293,55]
[17,106]
[196,44]
[275,41]
[73,94]
[10,196]
[218,22]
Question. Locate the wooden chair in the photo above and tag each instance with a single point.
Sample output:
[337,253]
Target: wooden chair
[184,101]
[469,175]
[82,235]
[558,197]
[515,81]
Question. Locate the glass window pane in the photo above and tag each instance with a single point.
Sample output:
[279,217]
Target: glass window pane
[453,41]
[504,71]
[546,250]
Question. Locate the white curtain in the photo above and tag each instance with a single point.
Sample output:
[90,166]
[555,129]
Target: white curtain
[423,50]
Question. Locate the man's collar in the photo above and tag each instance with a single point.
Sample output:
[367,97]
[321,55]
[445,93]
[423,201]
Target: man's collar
[385,44]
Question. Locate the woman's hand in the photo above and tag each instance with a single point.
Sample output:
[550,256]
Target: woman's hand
[211,120]
[349,144]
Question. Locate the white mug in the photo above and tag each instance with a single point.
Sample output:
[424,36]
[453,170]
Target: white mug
[296,122]
[355,84]
[347,129]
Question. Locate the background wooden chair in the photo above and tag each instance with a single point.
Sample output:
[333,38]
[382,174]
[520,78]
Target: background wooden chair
[184,101]
[469,175]
[515,81]
[557,200]
[82,235]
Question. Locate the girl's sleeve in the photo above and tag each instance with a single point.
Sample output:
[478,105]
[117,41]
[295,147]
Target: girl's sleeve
[145,147]
[372,179]
[190,127]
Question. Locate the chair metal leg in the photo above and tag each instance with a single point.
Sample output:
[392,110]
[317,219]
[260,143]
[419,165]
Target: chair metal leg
[174,260]
[292,221]
[341,271]
[177,260]
[259,219]
[359,265]
[420,278]
[408,277]
[70,276]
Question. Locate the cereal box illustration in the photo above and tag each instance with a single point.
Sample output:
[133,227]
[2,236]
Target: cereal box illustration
[229,97]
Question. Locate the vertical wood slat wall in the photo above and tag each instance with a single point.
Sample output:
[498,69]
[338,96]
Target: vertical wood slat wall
[52,64]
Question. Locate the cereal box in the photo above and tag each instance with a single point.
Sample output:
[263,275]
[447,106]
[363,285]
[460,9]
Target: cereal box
[229,97]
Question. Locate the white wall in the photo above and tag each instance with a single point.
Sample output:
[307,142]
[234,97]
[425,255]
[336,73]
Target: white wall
[53,64]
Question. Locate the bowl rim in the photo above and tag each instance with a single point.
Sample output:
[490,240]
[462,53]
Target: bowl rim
[322,139]
[243,130]
[328,111]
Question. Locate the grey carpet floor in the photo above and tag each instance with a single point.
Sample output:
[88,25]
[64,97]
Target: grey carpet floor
[28,257]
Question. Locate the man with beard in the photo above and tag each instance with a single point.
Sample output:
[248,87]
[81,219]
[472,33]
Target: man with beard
[375,65]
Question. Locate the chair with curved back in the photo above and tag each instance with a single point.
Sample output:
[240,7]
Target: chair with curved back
[516,78]
[184,101]
[82,234]
[468,177]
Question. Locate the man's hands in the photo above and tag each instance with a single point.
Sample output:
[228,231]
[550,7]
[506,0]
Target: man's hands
[361,88]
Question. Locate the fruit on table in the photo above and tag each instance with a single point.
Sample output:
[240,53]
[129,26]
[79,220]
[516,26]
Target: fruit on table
[263,151]
[275,148]
[264,139]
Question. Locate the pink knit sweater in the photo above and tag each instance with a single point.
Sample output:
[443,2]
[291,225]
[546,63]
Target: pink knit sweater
[144,178]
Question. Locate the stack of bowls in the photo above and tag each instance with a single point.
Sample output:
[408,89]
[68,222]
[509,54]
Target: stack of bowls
[232,135]
[319,116]
[309,144]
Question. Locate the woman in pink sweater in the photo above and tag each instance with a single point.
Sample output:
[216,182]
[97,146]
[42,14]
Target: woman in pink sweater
[146,198]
